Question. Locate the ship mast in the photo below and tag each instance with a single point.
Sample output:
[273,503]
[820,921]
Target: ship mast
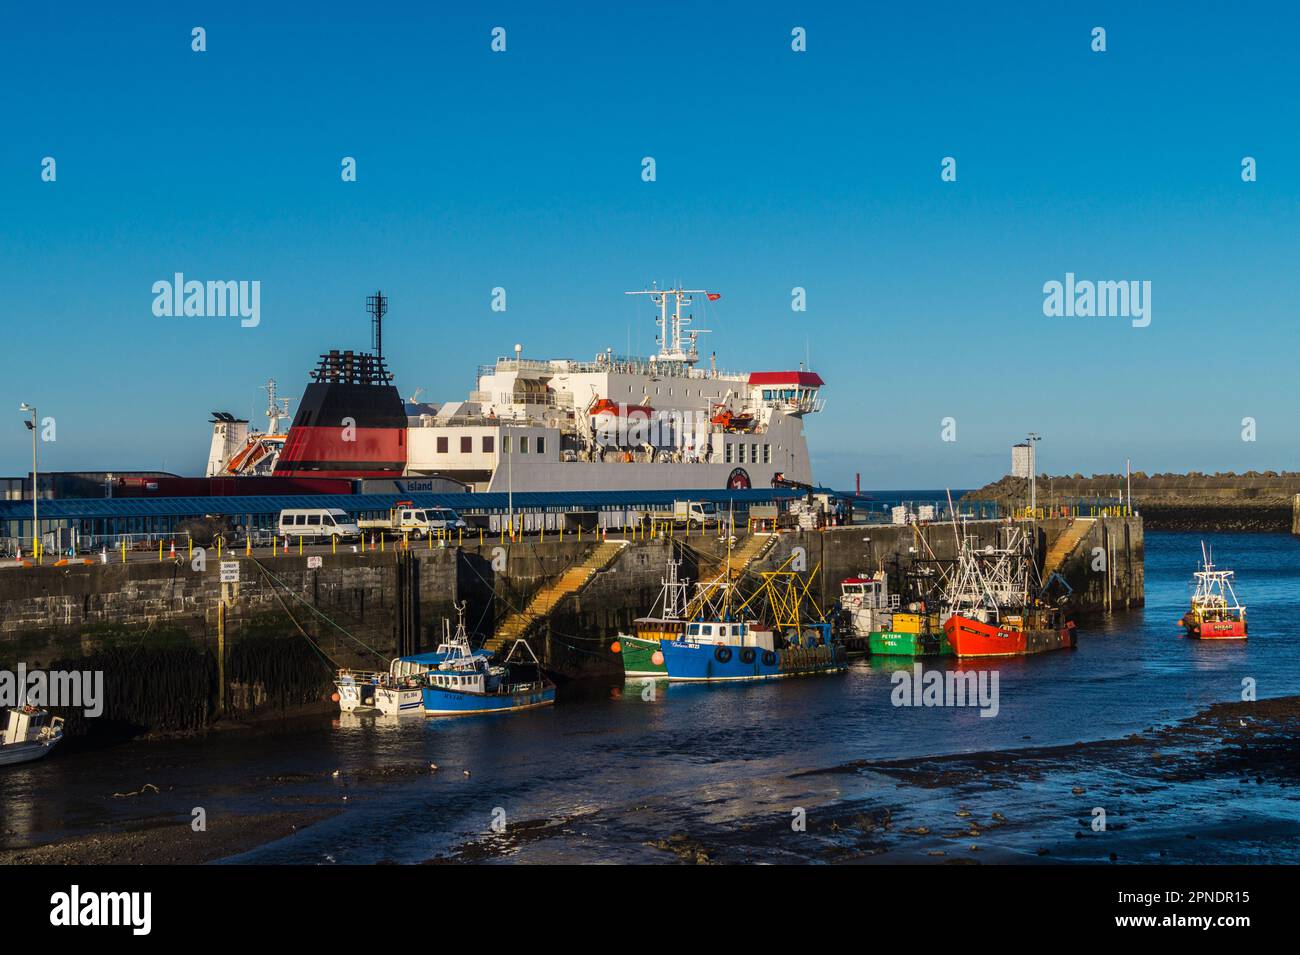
[674,345]
[276,407]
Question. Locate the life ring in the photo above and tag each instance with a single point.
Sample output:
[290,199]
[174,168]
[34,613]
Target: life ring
[722,654]
[747,655]
[769,658]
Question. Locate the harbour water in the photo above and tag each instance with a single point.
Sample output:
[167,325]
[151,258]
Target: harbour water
[615,773]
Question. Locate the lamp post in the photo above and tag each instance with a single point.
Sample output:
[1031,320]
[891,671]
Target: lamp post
[1030,439]
[31,426]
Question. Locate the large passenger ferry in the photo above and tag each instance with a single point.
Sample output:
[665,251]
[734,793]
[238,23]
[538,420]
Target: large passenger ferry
[614,422]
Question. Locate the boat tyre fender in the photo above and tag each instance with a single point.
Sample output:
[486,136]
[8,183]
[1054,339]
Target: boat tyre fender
[722,654]
[747,655]
[769,658]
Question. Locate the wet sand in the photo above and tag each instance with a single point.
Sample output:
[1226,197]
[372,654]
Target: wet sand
[167,840]
[1220,786]
[1174,794]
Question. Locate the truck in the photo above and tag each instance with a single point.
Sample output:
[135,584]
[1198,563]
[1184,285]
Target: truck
[681,513]
[405,518]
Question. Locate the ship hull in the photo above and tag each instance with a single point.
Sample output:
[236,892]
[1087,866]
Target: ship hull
[710,663]
[1215,629]
[887,643]
[439,701]
[638,657]
[974,638]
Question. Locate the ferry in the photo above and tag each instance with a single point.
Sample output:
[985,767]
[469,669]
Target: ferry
[466,683]
[667,421]
[30,733]
[640,651]
[722,644]
[1216,613]
[400,690]
[994,608]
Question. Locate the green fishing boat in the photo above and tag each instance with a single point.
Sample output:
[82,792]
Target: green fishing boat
[640,651]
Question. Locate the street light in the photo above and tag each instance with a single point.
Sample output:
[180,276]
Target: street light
[31,426]
[1030,439]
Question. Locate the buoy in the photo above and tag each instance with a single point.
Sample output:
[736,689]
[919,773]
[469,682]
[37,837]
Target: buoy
[657,658]
[616,647]
[334,696]
[433,767]
[467,772]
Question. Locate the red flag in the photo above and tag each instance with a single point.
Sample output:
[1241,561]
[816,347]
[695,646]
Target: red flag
[713,296]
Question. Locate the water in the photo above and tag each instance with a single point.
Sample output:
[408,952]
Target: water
[604,770]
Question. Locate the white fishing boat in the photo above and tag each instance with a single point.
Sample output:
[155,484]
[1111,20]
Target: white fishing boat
[30,733]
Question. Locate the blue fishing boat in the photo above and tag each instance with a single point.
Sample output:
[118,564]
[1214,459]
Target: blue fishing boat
[721,644]
[400,691]
[466,683]
[730,650]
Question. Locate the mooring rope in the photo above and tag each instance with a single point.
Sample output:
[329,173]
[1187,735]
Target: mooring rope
[323,616]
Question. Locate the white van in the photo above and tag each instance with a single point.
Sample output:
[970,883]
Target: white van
[317,522]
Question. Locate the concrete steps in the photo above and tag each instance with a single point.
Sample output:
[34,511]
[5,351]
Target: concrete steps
[545,600]
[1065,543]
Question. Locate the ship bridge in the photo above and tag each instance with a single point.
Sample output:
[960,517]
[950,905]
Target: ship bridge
[794,393]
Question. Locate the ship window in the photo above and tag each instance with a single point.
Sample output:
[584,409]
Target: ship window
[767,454]
[541,445]
[727,452]
[442,445]
[489,444]
[466,444]
[523,444]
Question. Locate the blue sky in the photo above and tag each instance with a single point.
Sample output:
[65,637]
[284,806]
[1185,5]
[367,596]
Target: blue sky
[775,169]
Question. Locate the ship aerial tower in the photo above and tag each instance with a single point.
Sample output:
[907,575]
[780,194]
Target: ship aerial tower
[377,306]
[672,343]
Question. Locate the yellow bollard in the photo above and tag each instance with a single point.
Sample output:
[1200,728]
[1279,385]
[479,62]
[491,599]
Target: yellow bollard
[124,550]
[160,551]
[191,550]
[580,532]
[248,546]
[381,542]
[299,546]
[219,540]
[480,537]
[334,543]
[460,537]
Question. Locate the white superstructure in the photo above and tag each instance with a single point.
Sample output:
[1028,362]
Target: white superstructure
[620,423]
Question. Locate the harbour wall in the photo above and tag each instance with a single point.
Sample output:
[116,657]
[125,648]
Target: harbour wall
[1257,502]
[180,650]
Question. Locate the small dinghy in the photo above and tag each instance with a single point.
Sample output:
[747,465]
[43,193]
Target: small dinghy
[30,733]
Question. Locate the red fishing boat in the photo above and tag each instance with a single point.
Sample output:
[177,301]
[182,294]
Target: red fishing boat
[1216,613]
[995,606]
